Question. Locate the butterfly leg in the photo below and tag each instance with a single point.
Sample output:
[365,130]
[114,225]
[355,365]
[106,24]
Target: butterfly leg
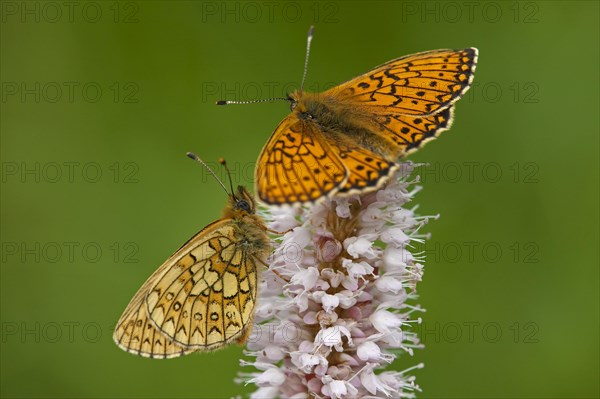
[279,232]
[242,339]
[273,270]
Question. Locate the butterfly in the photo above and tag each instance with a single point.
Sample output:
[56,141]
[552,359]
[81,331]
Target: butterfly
[203,297]
[348,139]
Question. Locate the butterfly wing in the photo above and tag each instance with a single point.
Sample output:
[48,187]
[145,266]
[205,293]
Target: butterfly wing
[411,133]
[201,298]
[401,104]
[408,101]
[298,165]
[421,84]
[136,334]
[366,169]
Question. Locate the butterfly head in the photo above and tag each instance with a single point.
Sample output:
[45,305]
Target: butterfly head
[242,200]
[308,106]
[294,98]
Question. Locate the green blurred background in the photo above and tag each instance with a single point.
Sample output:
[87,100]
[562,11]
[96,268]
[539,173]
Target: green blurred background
[101,100]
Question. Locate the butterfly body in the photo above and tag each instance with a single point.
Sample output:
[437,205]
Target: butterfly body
[203,297]
[249,228]
[340,123]
[349,138]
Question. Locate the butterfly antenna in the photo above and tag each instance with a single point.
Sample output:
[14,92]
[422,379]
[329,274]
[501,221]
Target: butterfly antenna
[308,41]
[311,30]
[224,163]
[201,162]
[227,102]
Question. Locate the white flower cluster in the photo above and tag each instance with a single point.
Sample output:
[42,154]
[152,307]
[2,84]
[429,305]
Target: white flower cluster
[339,307]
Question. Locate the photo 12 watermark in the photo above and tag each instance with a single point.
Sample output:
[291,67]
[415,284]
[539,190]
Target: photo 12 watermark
[475,172]
[70,92]
[516,92]
[70,12]
[50,332]
[479,252]
[454,12]
[69,252]
[251,12]
[211,92]
[53,172]
[489,332]
[451,172]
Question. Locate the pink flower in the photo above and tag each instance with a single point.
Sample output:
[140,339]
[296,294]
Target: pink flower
[347,306]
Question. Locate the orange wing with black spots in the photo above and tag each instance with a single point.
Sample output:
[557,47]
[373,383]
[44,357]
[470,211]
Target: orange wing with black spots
[410,133]
[298,165]
[418,85]
[366,169]
[348,139]
[201,298]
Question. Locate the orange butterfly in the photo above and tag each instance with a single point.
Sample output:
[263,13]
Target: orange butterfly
[349,138]
[201,298]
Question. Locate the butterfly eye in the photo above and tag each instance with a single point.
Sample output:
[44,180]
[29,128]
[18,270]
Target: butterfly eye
[293,105]
[243,205]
